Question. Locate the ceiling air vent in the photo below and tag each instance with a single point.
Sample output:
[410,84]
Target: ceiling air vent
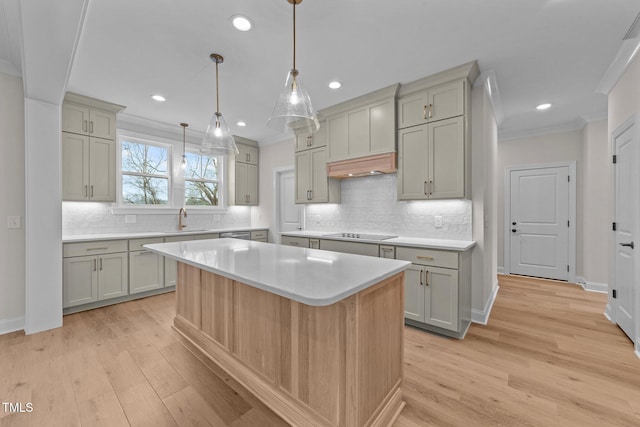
[634,30]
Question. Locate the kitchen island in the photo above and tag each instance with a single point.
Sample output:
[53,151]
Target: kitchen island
[315,335]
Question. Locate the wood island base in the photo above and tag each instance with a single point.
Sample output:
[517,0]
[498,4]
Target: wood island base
[335,365]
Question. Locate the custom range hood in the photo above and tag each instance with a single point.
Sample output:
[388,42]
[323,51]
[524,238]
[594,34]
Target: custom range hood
[363,166]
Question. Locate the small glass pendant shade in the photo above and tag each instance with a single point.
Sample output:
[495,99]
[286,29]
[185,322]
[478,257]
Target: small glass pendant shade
[293,111]
[218,140]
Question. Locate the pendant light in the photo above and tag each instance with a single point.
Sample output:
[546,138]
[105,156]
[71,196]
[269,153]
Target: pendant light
[183,164]
[293,111]
[218,140]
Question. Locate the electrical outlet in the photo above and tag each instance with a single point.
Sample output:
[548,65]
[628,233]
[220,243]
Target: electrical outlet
[438,221]
[14,222]
[130,219]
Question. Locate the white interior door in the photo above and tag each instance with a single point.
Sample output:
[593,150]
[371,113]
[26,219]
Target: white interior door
[539,222]
[289,214]
[625,214]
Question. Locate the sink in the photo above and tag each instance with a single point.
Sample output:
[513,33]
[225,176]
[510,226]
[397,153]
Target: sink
[362,236]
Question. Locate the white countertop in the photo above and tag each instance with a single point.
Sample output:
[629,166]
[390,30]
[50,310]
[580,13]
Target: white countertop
[310,276]
[120,236]
[418,242]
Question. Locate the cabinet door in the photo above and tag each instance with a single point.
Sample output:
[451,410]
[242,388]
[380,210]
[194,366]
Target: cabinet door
[102,170]
[102,124]
[441,298]
[303,176]
[171,265]
[446,159]
[80,280]
[75,167]
[338,137]
[75,119]
[300,242]
[241,184]
[357,248]
[414,293]
[145,271]
[247,154]
[413,110]
[113,274]
[358,133]
[252,185]
[312,140]
[319,180]
[446,101]
[314,243]
[382,123]
[413,156]
[387,252]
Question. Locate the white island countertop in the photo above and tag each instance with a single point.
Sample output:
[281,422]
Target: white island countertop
[310,276]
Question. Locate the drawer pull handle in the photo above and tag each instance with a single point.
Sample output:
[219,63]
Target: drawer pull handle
[427,258]
[426,277]
[145,253]
[97,249]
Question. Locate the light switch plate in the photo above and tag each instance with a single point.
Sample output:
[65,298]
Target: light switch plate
[438,221]
[130,219]
[14,222]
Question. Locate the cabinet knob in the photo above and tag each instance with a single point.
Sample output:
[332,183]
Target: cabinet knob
[513,230]
[513,223]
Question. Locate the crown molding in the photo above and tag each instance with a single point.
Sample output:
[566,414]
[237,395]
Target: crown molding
[595,117]
[128,122]
[574,125]
[625,56]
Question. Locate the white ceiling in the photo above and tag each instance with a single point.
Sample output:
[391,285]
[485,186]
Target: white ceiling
[541,51]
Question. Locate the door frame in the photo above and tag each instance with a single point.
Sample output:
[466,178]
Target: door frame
[610,311]
[571,278]
[277,172]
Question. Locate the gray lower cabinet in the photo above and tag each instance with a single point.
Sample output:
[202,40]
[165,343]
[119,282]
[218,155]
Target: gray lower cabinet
[94,271]
[437,290]
[300,242]
[171,265]
[146,268]
[370,249]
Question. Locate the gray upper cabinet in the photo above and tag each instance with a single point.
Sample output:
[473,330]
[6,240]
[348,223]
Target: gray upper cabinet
[362,126]
[88,149]
[437,103]
[307,141]
[243,174]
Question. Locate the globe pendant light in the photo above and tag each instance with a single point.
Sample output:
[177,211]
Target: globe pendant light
[293,111]
[218,140]
[183,164]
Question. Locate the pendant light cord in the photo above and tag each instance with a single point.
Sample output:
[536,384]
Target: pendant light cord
[217,92]
[294,34]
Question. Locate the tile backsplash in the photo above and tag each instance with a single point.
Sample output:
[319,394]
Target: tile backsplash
[369,204]
[97,218]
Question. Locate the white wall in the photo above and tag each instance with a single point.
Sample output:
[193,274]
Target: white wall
[484,141]
[542,149]
[596,205]
[12,188]
[273,156]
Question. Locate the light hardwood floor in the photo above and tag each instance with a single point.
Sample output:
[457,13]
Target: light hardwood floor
[547,358]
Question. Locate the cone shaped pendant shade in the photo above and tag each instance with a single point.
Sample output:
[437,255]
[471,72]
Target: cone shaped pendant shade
[293,111]
[218,140]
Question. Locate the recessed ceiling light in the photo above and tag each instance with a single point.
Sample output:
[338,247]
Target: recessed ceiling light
[241,22]
[335,85]
[543,106]
[158,98]
[241,124]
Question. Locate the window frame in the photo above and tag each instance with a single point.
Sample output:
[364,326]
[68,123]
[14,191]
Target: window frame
[220,181]
[173,142]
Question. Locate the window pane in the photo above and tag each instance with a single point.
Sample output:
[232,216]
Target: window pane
[201,193]
[201,167]
[144,190]
[143,158]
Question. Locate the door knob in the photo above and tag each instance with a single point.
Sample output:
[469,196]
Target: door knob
[629,245]
[513,230]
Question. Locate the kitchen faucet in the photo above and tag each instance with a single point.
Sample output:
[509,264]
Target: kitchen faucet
[182,212]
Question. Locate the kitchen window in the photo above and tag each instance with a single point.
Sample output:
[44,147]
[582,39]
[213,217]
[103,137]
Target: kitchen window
[145,173]
[201,180]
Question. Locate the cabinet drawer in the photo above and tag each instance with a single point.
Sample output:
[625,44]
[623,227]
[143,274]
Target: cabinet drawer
[136,244]
[356,248]
[94,248]
[428,257]
[301,242]
[170,239]
[260,234]
[206,236]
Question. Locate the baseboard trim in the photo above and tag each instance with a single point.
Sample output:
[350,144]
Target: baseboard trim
[637,352]
[500,270]
[482,317]
[602,288]
[608,313]
[11,324]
